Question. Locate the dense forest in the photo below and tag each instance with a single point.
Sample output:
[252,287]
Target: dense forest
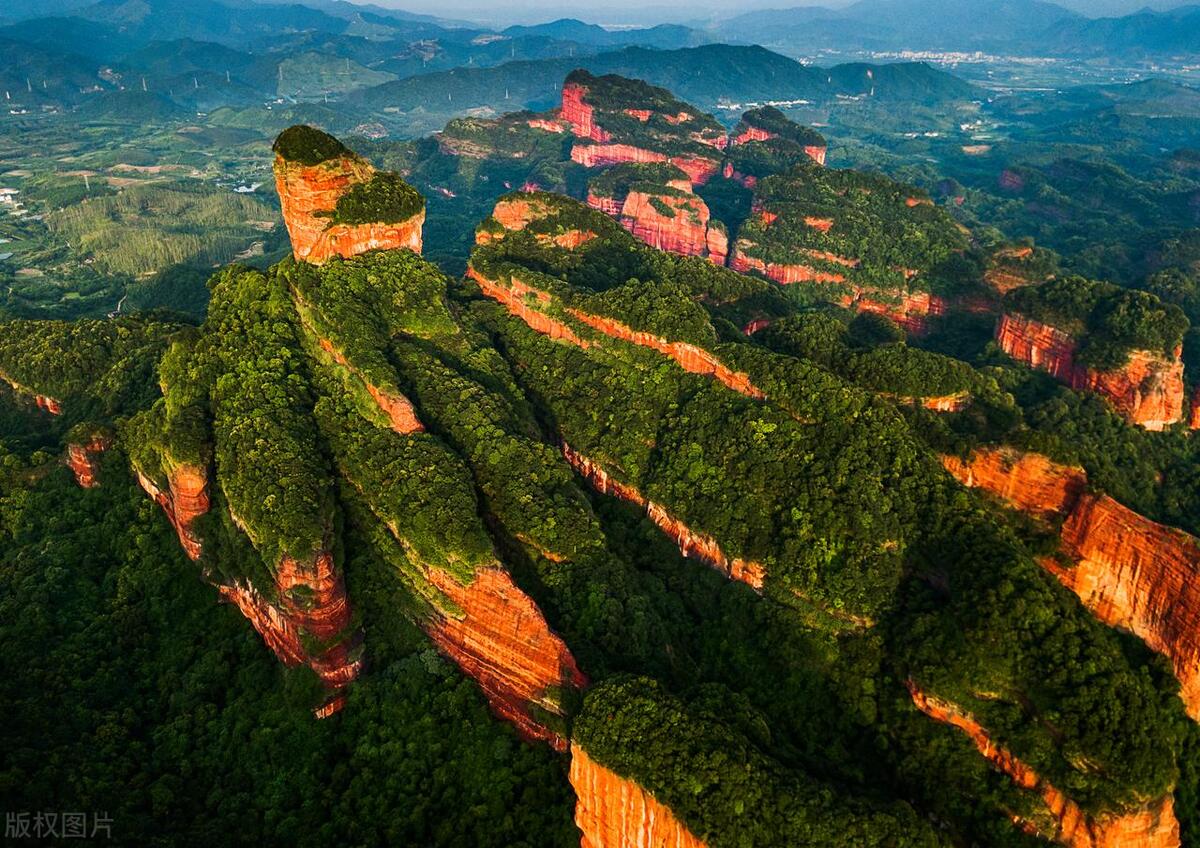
[718,504]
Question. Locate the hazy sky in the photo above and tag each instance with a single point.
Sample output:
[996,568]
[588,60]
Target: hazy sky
[659,11]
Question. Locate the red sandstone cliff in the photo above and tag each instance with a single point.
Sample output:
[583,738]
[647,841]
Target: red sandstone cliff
[595,148]
[1155,826]
[700,169]
[911,310]
[308,624]
[500,639]
[43,402]
[306,191]
[693,545]
[685,232]
[83,459]
[580,115]
[1148,390]
[748,134]
[612,812]
[1129,571]
[184,500]
[398,409]
[520,300]
[1194,410]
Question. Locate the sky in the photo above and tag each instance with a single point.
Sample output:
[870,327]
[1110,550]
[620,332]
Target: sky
[616,12]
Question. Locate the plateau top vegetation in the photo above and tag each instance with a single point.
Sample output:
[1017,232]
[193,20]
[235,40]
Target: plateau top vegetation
[680,475]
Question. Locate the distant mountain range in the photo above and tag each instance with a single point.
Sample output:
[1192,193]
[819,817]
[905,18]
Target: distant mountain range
[109,28]
[1030,27]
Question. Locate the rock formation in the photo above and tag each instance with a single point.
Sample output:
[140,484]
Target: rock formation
[673,132]
[184,500]
[1154,826]
[911,310]
[529,303]
[500,638]
[693,545]
[1130,571]
[43,402]
[1148,390]
[612,812]
[398,409]
[655,202]
[83,459]
[768,123]
[308,621]
[335,204]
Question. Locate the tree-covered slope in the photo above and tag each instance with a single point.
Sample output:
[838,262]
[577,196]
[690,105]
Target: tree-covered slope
[683,523]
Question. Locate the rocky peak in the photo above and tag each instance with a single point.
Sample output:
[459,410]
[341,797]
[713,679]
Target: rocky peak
[336,204]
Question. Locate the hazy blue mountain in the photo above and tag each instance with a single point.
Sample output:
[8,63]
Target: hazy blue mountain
[1175,31]
[19,10]
[207,20]
[665,36]
[702,75]
[32,75]
[97,41]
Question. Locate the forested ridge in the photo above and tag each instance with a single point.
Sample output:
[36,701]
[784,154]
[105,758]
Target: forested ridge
[378,440]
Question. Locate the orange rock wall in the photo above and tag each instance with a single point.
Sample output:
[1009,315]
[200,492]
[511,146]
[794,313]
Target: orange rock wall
[514,299]
[694,360]
[699,169]
[580,115]
[685,232]
[911,310]
[184,500]
[1148,390]
[693,545]
[502,641]
[1155,826]
[44,402]
[1142,577]
[398,409]
[1131,572]
[321,611]
[83,462]
[612,812]
[1029,481]
[305,191]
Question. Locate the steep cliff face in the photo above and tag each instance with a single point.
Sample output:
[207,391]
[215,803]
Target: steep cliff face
[184,500]
[528,303]
[1194,410]
[514,299]
[911,310]
[1029,481]
[1148,390]
[1154,826]
[1140,576]
[396,407]
[43,402]
[612,812]
[700,169]
[500,638]
[308,624]
[83,459]
[684,231]
[1129,571]
[581,115]
[689,357]
[309,194]
[698,546]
